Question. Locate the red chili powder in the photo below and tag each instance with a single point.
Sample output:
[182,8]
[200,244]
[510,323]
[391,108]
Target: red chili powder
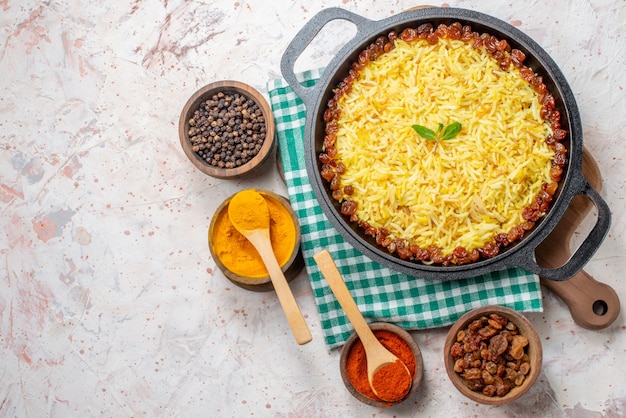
[391,381]
[356,362]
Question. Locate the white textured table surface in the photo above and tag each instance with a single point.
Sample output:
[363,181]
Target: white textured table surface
[110,304]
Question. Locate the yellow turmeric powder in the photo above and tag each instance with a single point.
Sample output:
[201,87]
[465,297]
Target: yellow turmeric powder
[250,210]
[237,253]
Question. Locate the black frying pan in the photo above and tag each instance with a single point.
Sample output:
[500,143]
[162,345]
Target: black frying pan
[573,182]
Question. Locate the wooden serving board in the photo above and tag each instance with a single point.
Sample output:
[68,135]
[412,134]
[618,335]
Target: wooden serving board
[593,305]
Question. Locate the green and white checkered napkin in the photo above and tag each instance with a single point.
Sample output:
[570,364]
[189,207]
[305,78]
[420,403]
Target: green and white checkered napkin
[381,294]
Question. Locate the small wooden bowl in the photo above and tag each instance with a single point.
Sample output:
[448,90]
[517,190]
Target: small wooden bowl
[291,268]
[533,350]
[419,365]
[206,92]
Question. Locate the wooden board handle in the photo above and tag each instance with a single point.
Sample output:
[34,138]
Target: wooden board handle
[593,305]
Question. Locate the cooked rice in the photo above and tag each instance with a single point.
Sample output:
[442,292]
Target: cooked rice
[469,188]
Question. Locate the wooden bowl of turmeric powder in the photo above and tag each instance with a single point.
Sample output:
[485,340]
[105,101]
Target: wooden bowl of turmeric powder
[237,258]
[353,362]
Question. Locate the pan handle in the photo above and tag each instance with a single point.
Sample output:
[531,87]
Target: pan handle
[588,247]
[304,37]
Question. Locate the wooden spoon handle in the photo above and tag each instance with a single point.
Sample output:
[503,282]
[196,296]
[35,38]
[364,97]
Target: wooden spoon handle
[593,305]
[335,281]
[290,307]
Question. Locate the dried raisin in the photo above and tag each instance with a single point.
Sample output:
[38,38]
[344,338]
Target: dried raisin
[490,355]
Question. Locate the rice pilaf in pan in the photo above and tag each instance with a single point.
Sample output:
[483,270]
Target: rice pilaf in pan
[427,193]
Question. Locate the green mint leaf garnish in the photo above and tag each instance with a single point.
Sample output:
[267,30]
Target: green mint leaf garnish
[451,131]
[424,132]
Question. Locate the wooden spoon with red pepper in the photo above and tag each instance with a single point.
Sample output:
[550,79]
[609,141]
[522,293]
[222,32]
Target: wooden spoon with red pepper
[382,365]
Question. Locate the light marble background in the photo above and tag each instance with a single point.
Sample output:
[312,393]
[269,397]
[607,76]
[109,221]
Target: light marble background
[110,304]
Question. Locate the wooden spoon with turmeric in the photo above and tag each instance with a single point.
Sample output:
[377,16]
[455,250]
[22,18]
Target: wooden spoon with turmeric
[383,367]
[249,214]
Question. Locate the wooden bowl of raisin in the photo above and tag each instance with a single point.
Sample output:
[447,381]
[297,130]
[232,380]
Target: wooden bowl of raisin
[493,355]
[226,129]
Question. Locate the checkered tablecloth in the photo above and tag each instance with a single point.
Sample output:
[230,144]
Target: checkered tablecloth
[381,294]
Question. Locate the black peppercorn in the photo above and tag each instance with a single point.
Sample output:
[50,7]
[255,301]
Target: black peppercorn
[233,124]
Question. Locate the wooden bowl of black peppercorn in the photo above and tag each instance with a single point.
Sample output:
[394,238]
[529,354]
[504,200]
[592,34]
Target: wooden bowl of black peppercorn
[226,129]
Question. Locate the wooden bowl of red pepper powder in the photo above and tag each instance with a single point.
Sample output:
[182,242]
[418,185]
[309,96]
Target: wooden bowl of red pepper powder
[353,363]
